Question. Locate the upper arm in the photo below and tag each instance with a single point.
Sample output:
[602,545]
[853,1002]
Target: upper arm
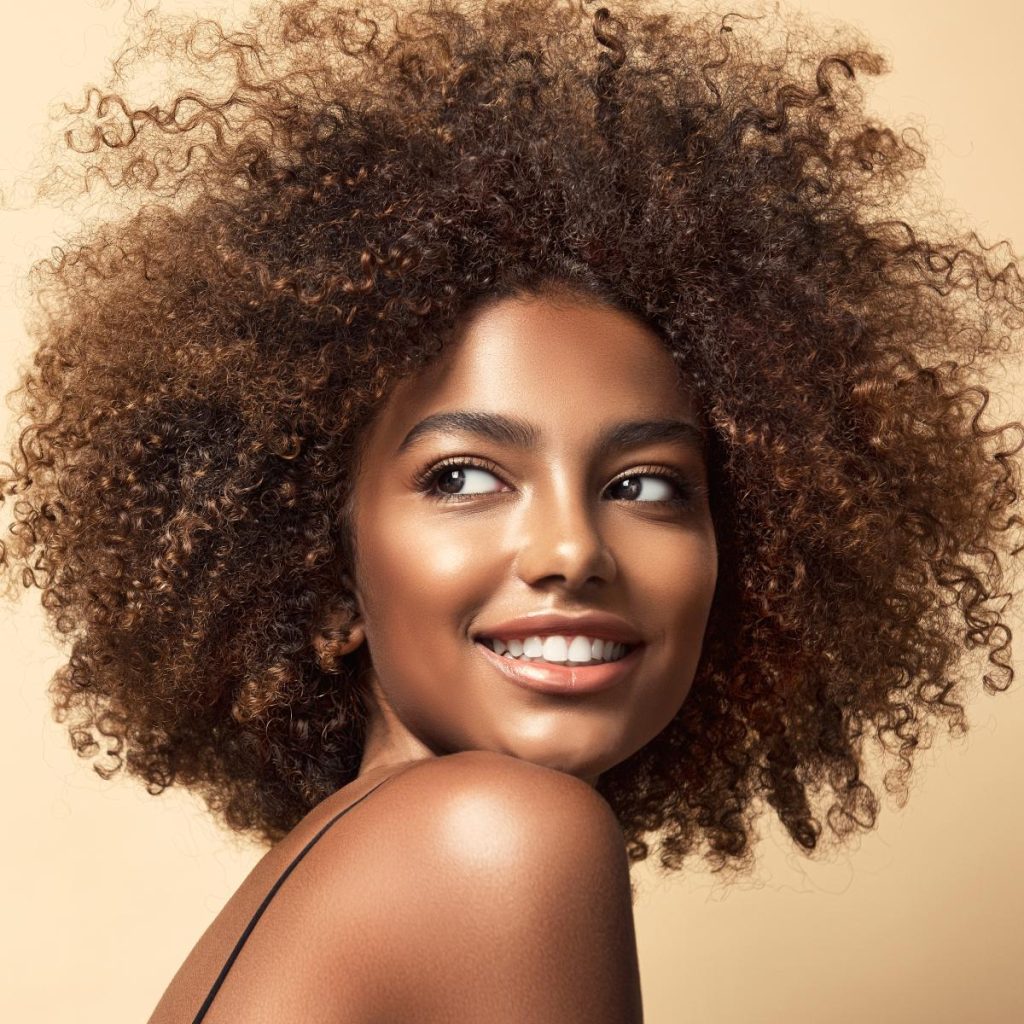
[500,894]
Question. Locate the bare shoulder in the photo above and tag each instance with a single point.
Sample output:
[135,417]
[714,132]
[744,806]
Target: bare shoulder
[483,887]
[476,812]
[495,789]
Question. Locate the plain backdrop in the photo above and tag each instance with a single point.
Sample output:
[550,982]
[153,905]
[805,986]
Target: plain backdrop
[918,922]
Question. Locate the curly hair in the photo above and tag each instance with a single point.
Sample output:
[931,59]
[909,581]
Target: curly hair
[206,365]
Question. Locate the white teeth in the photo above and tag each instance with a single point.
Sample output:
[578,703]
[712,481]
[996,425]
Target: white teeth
[576,650]
[555,649]
[533,647]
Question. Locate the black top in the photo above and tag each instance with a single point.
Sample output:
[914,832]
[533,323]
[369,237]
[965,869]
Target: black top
[266,902]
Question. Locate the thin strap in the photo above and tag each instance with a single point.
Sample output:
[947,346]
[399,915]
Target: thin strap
[266,902]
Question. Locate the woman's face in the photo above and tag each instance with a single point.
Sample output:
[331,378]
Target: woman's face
[565,524]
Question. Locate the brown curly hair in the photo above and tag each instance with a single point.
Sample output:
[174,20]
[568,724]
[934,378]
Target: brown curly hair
[206,365]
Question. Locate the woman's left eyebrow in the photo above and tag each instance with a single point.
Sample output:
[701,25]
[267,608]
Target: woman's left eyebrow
[518,433]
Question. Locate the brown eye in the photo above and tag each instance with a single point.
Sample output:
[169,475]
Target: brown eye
[451,478]
[668,488]
[456,478]
[460,477]
[633,486]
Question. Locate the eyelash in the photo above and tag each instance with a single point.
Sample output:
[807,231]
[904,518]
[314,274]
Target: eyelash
[426,480]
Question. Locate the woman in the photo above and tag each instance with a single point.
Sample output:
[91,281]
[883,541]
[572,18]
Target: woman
[469,317]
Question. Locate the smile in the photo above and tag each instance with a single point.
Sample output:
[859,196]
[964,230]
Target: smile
[550,677]
[558,650]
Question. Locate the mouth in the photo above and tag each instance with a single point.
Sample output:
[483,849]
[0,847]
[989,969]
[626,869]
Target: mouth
[587,654]
[564,677]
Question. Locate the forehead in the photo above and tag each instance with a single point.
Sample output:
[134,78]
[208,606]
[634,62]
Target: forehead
[523,337]
[568,365]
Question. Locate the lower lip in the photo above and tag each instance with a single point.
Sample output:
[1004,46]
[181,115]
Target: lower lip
[567,679]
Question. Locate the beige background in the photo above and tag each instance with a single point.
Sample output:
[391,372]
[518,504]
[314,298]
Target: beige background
[106,888]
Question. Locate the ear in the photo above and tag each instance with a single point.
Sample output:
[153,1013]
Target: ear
[338,631]
[349,585]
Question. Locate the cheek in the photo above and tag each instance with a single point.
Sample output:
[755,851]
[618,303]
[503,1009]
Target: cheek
[683,578]
[683,586]
[423,576]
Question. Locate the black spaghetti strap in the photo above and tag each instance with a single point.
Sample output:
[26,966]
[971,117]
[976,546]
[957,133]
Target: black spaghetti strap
[266,902]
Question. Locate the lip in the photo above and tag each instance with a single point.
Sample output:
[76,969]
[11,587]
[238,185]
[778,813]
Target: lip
[563,679]
[602,625]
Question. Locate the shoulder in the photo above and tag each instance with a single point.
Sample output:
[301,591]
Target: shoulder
[490,789]
[478,873]
[469,814]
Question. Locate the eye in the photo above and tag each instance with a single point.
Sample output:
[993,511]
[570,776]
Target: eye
[666,489]
[443,479]
[669,487]
[453,479]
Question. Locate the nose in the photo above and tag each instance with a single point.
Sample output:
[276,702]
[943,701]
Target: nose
[562,538]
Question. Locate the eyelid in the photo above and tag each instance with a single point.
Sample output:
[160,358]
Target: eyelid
[426,475]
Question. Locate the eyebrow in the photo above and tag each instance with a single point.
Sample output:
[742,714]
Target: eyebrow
[518,433]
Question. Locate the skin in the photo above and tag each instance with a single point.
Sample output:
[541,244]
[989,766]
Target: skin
[542,529]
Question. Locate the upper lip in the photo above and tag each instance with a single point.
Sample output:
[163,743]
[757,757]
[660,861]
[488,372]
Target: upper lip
[596,624]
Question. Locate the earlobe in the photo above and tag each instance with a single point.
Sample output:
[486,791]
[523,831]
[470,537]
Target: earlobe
[338,632]
[357,634]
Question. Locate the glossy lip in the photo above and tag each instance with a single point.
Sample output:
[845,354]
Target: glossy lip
[602,625]
[563,679]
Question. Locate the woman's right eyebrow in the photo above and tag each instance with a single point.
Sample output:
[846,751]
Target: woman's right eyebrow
[514,432]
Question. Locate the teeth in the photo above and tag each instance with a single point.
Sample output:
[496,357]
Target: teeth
[576,650]
[579,650]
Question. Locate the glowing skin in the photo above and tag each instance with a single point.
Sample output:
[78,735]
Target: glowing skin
[556,527]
